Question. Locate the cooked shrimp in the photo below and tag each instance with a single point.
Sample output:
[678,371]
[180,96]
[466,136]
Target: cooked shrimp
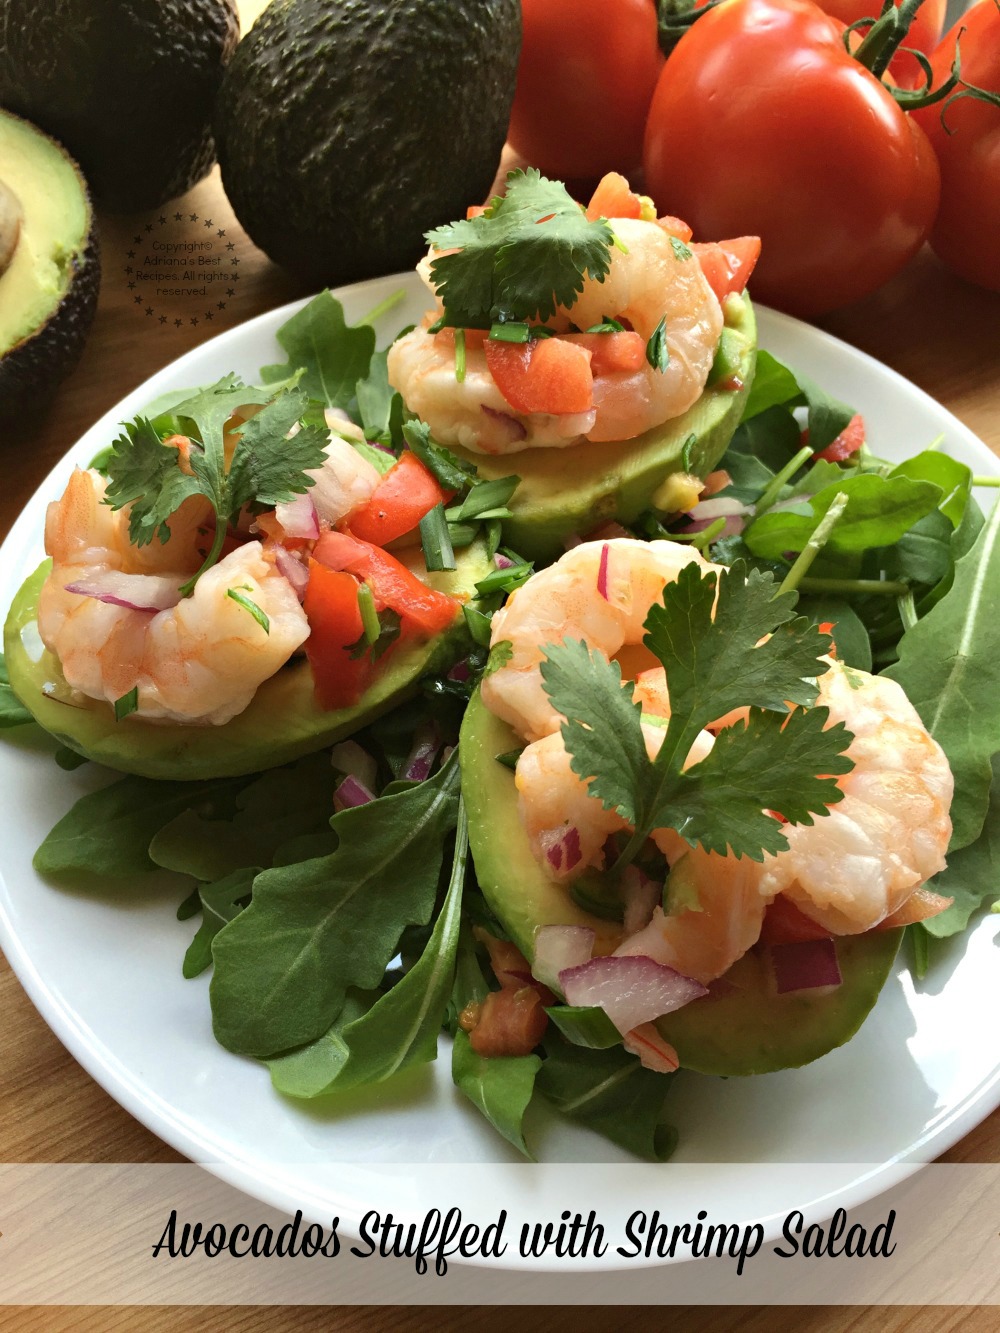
[199,659]
[889,834]
[344,481]
[647,282]
[565,601]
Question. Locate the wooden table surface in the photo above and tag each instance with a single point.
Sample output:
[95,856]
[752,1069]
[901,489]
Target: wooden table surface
[939,332]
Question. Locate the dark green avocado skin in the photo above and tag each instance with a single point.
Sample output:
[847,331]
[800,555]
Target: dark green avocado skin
[347,128]
[126,85]
[32,369]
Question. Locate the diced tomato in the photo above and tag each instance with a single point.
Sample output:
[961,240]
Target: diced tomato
[613,199]
[848,442]
[785,924]
[610,352]
[543,375]
[920,906]
[474,210]
[510,967]
[398,503]
[423,610]
[675,227]
[827,627]
[511,1022]
[331,606]
[728,264]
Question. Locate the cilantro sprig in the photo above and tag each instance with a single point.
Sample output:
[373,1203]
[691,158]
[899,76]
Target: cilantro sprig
[526,254]
[266,468]
[778,760]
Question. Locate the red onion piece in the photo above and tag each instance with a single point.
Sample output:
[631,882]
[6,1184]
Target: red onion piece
[631,990]
[350,759]
[562,849]
[718,506]
[351,793]
[653,1052]
[558,948]
[334,415]
[134,592]
[602,572]
[733,526]
[516,430]
[641,894]
[420,760]
[460,671]
[503,561]
[805,965]
[298,517]
[293,570]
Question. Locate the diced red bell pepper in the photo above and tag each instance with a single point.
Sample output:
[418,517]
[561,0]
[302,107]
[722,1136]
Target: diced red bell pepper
[675,227]
[400,500]
[848,442]
[423,610]
[331,607]
[728,264]
[610,352]
[511,1022]
[613,199]
[543,375]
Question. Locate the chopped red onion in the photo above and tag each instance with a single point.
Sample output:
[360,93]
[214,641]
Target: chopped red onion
[420,760]
[718,506]
[558,948]
[350,759]
[503,561]
[653,1052]
[562,850]
[517,430]
[333,415]
[351,793]
[298,517]
[602,572]
[641,894]
[732,527]
[460,671]
[134,592]
[805,965]
[293,570]
[631,990]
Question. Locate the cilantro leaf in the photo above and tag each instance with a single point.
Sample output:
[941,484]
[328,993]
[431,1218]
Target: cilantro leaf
[525,255]
[268,467]
[144,474]
[332,354]
[209,409]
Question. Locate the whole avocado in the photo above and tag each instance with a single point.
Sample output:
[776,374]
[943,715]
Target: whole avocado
[126,85]
[347,128]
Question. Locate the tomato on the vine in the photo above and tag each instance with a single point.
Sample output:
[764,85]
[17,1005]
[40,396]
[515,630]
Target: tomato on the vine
[967,229]
[588,69]
[762,124]
[924,33]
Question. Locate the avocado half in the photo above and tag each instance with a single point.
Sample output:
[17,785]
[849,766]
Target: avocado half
[569,492]
[50,281]
[741,1026]
[127,85]
[281,723]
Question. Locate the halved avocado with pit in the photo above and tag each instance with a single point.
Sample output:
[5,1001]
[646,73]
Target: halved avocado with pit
[51,271]
[567,492]
[742,1026]
[282,722]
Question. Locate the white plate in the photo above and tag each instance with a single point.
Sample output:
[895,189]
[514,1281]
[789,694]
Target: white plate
[104,969]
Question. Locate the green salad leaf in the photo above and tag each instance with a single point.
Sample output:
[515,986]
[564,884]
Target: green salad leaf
[331,354]
[972,878]
[220,902]
[501,1087]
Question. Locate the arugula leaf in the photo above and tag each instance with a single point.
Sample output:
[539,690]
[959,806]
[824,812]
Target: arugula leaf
[879,511]
[973,875]
[332,354]
[527,254]
[610,1092]
[585,1025]
[220,902]
[380,406]
[282,967]
[12,712]
[954,478]
[107,833]
[501,1087]
[947,666]
[773,385]
[401,1028]
[827,416]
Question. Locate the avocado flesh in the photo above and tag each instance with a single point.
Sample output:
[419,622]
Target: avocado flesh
[282,722]
[741,1027]
[54,230]
[569,492]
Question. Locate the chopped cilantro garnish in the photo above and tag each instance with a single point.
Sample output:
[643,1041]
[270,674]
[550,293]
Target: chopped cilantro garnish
[478,624]
[681,251]
[527,254]
[435,539]
[451,471]
[388,624]
[514,332]
[657,351]
[128,703]
[500,655]
[606,326]
[239,597]
[369,616]
[460,355]
[509,760]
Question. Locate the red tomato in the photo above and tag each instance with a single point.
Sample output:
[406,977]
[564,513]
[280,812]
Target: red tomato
[611,199]
[404,495]
[610,352]
[924,33]
[848,442]
[588,69]
[727,265]
[422,609]
[331,607]
[762,124]
[968,222]
[543,375]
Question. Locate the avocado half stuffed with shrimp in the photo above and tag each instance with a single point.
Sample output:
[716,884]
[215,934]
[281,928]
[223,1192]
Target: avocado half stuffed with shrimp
[599,354]
[698,868]
[206,610]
